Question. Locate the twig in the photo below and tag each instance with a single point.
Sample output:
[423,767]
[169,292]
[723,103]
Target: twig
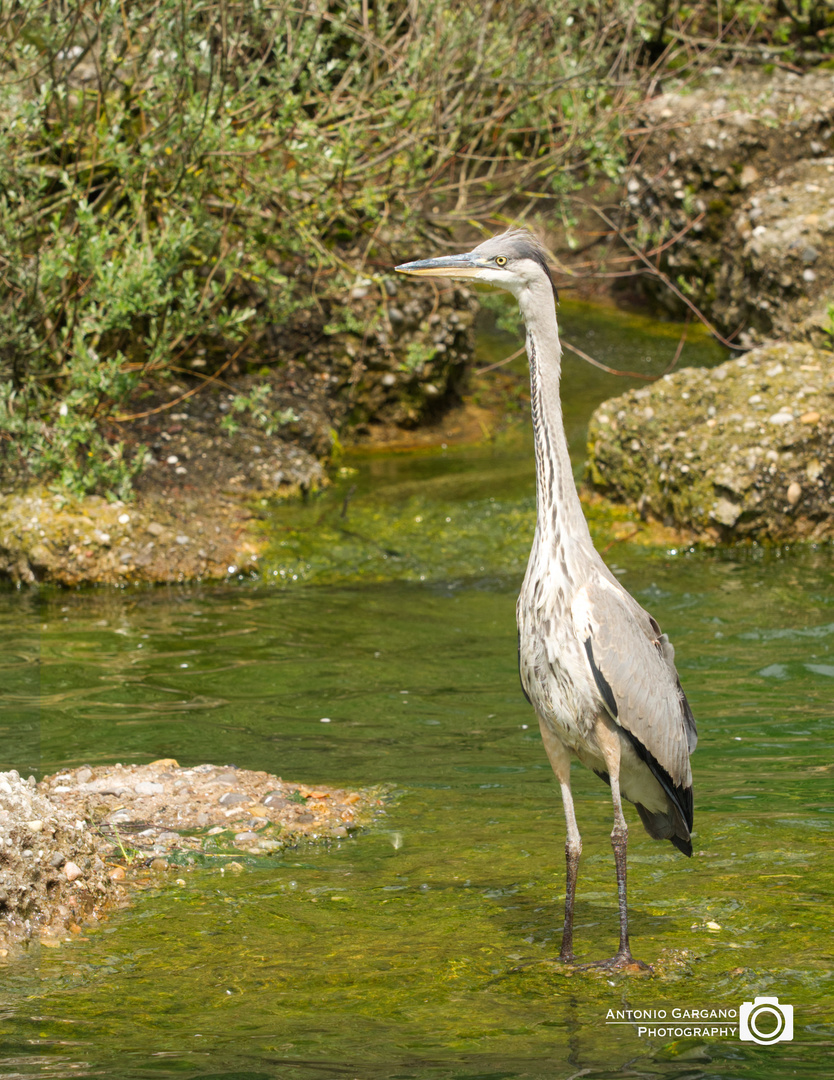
[187,394]
[500,363]
[629,374]
[667,281]
[603,367]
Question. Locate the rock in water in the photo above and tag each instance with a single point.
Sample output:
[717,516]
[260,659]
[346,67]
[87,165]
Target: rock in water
[744,450]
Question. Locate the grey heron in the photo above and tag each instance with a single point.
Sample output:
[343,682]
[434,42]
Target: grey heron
[593,664]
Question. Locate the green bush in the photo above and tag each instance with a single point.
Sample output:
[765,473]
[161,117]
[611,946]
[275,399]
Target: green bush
[179,175]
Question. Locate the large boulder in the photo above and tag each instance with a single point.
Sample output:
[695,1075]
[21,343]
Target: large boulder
[778,273]
[734,183]
[741,451]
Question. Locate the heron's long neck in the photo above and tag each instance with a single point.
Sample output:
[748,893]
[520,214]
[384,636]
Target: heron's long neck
[559,512]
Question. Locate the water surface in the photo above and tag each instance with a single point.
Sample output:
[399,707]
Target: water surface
[393,954]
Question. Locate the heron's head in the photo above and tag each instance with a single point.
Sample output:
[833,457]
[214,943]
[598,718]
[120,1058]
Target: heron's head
[514,261]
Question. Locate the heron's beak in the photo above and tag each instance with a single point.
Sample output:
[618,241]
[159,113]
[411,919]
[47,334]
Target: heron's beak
[453,266]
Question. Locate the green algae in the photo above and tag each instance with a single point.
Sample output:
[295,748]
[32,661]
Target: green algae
[468,512]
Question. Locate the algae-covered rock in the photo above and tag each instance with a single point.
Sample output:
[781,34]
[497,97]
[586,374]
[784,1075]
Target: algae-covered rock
[57,538]
[744,450]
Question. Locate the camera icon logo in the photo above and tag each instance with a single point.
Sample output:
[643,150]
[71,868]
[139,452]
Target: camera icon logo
[765,1021]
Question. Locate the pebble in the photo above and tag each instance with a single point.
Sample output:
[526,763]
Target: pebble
[155,529]
[810,418]
[794,493]
[814,469]
[34,826]
[233,798]
[57,860]
[148,787]
[158,864]
[245,837]
[83,775]
[72,871]
[117,873]
[726,512]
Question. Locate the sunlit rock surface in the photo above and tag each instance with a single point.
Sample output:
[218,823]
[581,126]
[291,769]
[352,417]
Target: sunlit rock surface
[740,451]
[736,181]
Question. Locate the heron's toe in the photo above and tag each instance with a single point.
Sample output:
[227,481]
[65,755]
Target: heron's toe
[620,962]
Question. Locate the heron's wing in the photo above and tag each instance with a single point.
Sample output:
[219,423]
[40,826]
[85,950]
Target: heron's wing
[632,663]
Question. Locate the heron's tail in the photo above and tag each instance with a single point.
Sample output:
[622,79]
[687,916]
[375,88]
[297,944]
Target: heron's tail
[666,826]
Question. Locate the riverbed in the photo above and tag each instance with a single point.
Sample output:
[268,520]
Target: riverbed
[378,646]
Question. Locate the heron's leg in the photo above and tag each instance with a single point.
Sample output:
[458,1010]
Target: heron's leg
[609,741]
[560,760]
[619,841]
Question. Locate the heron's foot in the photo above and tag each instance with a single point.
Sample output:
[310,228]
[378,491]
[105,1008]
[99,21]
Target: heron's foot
[623,961]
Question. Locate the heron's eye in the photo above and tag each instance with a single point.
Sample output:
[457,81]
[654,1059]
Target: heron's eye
[500,260]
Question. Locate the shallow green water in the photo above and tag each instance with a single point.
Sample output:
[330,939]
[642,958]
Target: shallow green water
[469,512]
[392,954]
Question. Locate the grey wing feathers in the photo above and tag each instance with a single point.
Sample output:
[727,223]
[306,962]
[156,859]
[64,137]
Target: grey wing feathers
[633,666]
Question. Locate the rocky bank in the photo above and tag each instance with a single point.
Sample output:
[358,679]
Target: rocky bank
[734,181]
[53,877]
[734,184]
[388,356]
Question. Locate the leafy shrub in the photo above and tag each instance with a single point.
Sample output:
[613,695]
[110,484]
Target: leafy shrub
[179,175]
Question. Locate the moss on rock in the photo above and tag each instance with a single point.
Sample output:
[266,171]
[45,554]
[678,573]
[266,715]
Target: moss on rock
[742,451]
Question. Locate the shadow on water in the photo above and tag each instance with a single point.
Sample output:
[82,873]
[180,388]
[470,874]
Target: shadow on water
[392,954]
